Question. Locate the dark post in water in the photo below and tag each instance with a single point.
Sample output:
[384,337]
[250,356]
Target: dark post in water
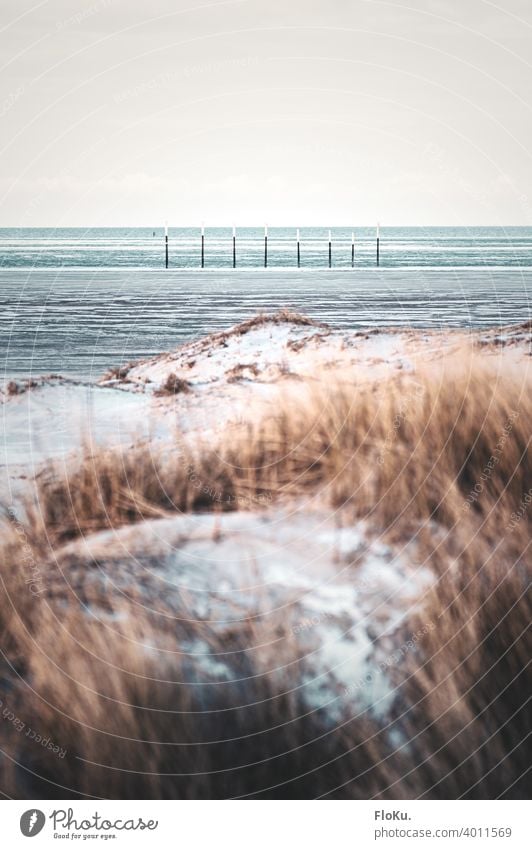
[166,243]
[265,246]
[234,246]
[202,246]
[298,249]
[378,243]
[352,250]
[330,249]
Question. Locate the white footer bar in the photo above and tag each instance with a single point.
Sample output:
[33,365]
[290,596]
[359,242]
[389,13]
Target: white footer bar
[267,825]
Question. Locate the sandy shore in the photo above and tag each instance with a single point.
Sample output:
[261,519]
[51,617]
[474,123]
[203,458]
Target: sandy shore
[227,378]
[335,607]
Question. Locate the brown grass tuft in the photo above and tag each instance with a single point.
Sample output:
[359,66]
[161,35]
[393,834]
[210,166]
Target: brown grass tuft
[283,316]
[439,460]
[173,385]
[242,371]
[117,373]
[414,448]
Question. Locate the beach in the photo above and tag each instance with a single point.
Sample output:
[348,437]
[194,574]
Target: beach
[278,534]
[266,415]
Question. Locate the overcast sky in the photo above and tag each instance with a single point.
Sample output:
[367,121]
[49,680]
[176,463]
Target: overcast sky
[296,112]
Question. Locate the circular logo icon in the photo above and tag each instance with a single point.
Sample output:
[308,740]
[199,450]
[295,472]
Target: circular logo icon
[32,822]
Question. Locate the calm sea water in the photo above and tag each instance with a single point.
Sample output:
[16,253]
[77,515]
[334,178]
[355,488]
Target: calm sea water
[144,247]
[78,301]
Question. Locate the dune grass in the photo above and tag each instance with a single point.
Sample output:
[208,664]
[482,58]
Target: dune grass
[441,457]
[447,441]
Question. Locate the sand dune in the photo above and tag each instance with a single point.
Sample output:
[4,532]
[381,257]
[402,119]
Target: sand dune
[284,560]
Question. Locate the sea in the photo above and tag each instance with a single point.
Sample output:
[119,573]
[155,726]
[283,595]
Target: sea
[75,301]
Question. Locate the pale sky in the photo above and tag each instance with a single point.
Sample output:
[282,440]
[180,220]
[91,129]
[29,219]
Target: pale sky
[336,112]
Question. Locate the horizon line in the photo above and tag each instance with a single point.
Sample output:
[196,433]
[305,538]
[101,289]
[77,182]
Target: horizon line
[229,226]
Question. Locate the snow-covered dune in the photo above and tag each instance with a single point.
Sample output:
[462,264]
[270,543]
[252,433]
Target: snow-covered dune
[143,545]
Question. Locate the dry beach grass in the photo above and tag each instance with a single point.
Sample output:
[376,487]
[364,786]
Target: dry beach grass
[437,461]
[413,447]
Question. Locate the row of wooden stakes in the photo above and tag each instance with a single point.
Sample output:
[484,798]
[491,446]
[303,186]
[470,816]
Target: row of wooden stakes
[298,247]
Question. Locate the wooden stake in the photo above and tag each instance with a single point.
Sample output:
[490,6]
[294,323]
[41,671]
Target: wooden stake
[352,250]
[298,250]
[330,249]
[234,246]
[265,246]
[378,243]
